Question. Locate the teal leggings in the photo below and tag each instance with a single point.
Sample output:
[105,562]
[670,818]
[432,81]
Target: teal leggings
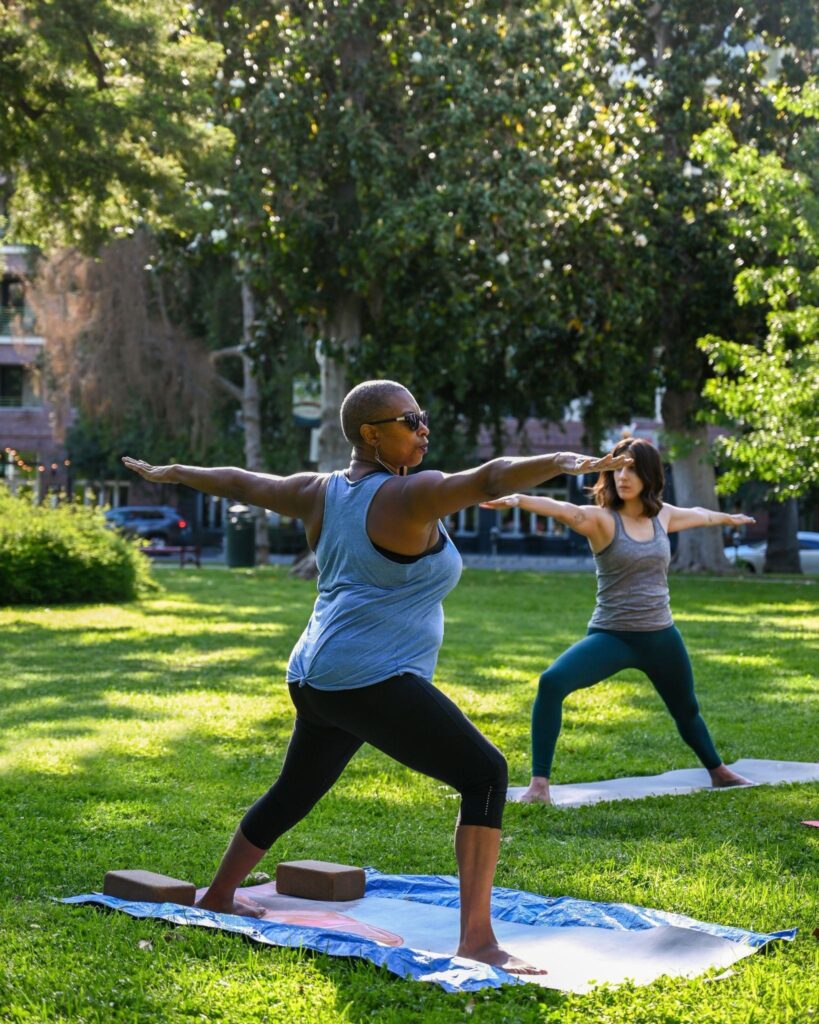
[660,653]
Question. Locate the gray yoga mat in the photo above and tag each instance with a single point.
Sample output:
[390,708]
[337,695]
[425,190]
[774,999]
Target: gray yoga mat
[684,780]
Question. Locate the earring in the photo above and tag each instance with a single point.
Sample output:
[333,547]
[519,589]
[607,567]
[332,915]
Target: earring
[402,470]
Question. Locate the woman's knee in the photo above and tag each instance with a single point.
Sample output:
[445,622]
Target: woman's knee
[483,797]
[685,712]
[554,684]
[499,769]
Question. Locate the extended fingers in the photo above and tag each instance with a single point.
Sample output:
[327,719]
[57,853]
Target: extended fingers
[137,465]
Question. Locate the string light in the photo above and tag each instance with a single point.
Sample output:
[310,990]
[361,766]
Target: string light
[12,457]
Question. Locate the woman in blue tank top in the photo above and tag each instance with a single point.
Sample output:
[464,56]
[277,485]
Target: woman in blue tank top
[362,670]
[631,627]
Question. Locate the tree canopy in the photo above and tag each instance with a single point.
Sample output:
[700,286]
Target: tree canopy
[770,390]
[503,206]
[106,120]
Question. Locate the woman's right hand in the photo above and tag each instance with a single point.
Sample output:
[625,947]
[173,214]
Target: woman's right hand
[156,474]
[578,465]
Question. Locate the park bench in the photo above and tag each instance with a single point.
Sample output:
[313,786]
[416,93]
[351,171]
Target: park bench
[188,553]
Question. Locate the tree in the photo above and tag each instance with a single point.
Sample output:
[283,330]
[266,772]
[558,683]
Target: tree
[106,121]
[115,353]
[405,189]
[770,390]
[108,128]
[669,69]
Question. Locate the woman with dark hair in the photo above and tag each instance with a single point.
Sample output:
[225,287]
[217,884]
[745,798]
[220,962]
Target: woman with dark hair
[627,529]
[362,670]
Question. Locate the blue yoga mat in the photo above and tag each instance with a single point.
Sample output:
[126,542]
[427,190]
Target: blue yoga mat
[409,924]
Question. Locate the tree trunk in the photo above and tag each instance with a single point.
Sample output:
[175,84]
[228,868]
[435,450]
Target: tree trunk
[343,334]
[252,419]
[700,550]
[782,550]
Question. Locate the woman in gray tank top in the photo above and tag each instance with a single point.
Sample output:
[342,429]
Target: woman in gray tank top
[631,626]
[362,670]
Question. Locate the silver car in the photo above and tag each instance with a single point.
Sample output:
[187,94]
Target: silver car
[752,556]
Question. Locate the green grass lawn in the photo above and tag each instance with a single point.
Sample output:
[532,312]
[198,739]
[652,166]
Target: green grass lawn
[136,736]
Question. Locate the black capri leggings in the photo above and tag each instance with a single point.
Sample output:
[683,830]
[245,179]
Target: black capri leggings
[405,717]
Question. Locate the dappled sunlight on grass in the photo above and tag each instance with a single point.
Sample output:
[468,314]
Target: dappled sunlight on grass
[48,755]
[512,670]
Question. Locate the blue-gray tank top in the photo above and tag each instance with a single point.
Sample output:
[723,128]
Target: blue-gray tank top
[632,582]
[373,618]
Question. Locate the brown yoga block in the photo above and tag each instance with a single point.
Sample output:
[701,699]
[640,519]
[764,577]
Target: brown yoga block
[148,887]
[319,880]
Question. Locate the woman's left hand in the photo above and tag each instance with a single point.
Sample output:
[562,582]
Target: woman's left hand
[740,519]
[156,474]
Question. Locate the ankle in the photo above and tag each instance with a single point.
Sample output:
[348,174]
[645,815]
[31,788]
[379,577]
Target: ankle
[477,938]
[539,782]
[221,892]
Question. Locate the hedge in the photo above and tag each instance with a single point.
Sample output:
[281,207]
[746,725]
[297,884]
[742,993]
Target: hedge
[65,554]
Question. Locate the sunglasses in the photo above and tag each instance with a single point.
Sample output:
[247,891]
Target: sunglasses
[412,419]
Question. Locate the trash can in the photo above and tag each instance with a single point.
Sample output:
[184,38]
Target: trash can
[240,538]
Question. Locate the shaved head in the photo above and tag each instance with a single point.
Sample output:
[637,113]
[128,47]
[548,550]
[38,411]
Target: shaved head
[365,403]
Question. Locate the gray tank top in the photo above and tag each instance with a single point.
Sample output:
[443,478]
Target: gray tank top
[632,582]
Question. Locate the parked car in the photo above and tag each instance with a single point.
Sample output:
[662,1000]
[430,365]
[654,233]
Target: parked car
[752,556]
[160,524]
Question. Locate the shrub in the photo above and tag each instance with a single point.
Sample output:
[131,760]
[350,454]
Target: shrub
[63,554]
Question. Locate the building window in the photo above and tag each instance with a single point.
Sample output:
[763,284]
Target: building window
[15,315]
[11,385]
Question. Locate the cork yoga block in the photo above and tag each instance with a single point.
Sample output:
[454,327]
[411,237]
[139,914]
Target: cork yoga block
[319,880]
[148,887]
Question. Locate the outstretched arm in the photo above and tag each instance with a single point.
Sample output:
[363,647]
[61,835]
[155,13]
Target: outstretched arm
[583,519]
[590,521]
[432,495]
[287,495]
[688,518]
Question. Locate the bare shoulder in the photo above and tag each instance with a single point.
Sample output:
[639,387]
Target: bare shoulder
[431,494]
[415,491]
[605,517]
[589,514]
[427,479]
[313,481]
[602,528]
[666,514]
[301,492]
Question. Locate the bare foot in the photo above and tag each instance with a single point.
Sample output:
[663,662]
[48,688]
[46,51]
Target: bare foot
[230,905]
[493,955]
[723,777]
[537,793]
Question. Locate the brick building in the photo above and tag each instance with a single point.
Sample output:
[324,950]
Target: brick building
[29,451]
